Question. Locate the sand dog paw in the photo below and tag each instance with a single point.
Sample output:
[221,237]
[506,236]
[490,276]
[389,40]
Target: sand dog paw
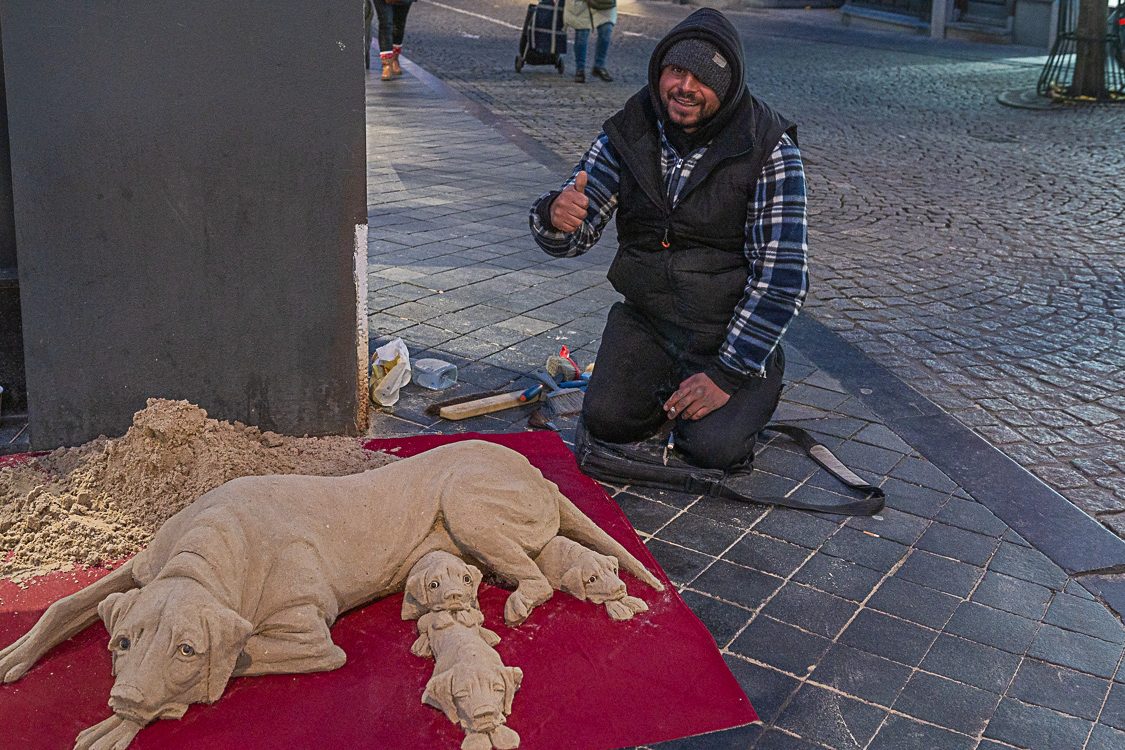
[474,741]
[625,608]
[516,609]
[504,738]
[115,733]
[16,659]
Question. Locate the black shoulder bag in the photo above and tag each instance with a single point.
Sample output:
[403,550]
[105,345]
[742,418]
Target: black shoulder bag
[645,463]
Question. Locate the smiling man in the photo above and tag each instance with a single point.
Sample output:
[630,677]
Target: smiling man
[709,191]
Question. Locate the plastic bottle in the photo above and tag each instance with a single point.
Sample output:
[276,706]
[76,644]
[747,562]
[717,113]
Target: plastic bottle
[434,374]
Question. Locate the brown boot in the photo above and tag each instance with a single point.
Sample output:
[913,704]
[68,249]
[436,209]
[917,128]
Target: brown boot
[395,67]
[388,70]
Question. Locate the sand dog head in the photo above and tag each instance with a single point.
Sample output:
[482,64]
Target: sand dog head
[588,575]
[173,644]
[477,698]
[440,582]
[594,577]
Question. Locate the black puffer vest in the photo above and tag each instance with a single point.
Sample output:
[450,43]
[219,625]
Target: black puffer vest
[687,265]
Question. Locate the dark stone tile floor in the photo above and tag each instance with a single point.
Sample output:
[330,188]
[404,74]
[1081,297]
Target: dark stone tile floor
[932,625]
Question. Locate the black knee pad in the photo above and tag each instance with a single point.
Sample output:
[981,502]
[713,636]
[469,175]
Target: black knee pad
[614,422]
[714,451]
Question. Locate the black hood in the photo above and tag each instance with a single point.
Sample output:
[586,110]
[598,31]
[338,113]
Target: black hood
[711,26]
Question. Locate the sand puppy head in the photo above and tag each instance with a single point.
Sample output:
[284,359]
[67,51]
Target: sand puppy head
[594,576]
[168,657]
[581,572]
[440,582]
[475,696]
[588,575]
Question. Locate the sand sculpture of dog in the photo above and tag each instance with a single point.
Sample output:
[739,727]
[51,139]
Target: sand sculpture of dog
[442,589]
[470,684]
[586,574]
[248,579]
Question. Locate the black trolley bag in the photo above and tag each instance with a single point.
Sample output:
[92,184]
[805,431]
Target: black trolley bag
[543,37]
[648,464]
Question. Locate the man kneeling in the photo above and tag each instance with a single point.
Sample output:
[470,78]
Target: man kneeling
[709,190]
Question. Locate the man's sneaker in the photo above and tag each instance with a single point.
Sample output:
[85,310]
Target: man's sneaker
[580,76]
[603,74]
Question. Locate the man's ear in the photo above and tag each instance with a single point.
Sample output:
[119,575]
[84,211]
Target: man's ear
[574,583]
[439,694]
[227,633]
[513,677]
[412,597]
[113,607]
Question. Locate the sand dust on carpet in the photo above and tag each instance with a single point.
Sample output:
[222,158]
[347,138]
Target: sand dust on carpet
[102,501]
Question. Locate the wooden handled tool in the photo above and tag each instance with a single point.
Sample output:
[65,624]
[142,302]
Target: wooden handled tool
[487,405]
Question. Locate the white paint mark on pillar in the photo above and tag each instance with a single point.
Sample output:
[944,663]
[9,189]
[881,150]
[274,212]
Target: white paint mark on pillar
[361,332]
[940,13]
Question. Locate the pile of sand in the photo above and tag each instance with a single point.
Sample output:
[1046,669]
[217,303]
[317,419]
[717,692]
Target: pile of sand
[104,500]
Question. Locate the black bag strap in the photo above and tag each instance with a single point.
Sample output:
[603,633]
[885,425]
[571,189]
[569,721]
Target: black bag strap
[625,463]
[875,497]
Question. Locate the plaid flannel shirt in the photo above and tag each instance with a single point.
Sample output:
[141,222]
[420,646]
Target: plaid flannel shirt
[776,240]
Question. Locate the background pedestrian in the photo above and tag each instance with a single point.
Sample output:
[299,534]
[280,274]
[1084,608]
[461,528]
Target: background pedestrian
[391,19]
[582,16]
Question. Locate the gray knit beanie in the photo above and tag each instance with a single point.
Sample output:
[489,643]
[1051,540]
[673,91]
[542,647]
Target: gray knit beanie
[705,62]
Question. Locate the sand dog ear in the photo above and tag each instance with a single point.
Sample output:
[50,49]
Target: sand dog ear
[113,607]
[611,562]
[227,633]
[439,694]
[413,596]
[477,577]
[574,583]
[513,677]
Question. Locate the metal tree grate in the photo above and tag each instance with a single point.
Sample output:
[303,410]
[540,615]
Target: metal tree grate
[1058,74]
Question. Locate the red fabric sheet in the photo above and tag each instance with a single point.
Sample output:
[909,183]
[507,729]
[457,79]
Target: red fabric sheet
[589,682]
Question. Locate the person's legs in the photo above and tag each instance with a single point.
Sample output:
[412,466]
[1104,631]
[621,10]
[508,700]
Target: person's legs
[624,400]
[398,32]
[581,37]
[601,49]
[724,439]
[384,15]
[398,23]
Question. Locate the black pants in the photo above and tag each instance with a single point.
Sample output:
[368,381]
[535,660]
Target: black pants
[392,23]
[642,361]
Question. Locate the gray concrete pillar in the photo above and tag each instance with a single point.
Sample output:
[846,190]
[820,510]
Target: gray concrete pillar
[190,210]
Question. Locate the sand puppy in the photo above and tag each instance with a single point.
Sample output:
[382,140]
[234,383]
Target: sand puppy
[442,589]
[585,574]
[248,579]
[470,685]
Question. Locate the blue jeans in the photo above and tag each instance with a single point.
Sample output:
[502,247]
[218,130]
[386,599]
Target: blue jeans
[601,49]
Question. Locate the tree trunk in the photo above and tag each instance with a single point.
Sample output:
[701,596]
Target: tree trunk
[1089,62]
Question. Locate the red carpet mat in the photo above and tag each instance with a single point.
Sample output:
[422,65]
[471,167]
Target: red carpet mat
[589,682]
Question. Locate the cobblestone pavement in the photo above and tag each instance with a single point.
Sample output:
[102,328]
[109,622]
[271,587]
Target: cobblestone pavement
[975,249]
[930,626]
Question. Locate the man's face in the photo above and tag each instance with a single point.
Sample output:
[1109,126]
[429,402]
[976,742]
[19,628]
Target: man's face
[686,100]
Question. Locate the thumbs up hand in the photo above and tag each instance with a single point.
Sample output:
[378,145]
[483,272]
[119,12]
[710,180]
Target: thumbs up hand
[568,210]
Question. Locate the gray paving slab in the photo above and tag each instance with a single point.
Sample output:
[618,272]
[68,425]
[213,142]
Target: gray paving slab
[953,238]
[932,625]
